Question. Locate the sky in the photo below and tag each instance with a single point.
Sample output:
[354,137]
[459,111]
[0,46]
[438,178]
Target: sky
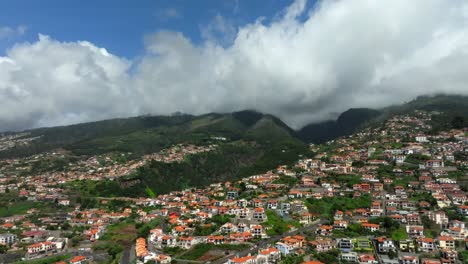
[65,62]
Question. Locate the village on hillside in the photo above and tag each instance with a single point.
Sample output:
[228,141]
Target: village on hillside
[389,194]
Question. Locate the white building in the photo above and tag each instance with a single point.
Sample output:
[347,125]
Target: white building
[7,239]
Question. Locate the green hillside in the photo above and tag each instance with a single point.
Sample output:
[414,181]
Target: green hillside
[450,107]
[254,142]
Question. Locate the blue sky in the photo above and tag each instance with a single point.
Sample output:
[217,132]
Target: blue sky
[120,25]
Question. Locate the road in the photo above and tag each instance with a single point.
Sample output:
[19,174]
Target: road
[129,255]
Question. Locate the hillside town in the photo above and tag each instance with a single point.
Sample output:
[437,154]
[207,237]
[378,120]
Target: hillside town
[389,194]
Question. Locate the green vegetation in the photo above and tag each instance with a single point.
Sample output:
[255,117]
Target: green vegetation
[3,249]
[143,229]
[116,238]
[173,250]
[47,260]
[205,230]
[288,180]
[329,257]
[292,259]
[416,158]
[399,234]
[347,123]
[276,224]
[228,162]
[327,206]
[353,230]
[15,208]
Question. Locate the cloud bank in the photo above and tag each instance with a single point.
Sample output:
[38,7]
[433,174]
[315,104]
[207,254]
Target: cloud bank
[303,66]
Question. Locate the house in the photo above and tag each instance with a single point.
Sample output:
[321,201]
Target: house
[64,202]
[243,260]
[463,210]
[446,242]
[40,248]
[284,248]
[271,255]
[421,138]
[385,245]
[215,240]
[232,194]
[345,244]
[426,244]
[434,164]
[272,204]
[140,248]
[228,228]
[257,231]
[449,256]
[408,259]
[168,241]
[367,259]
[259,214]
[78,260]
[94,233]
[296,241]
[162,259]
[324,230]
[371,227]
[240,237]
[7,239]
[306,218]
[407,245]
[415,230]
[340,224]
[322,245]
[439,217]
[349,257]
[338,215]
[186,242]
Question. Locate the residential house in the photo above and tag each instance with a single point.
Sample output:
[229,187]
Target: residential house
[7,239]
[322,245]
[446,242]
[426,244]
[243,260]
[385,245]
[408,259]
[371,227]
[79,260]
[271,255]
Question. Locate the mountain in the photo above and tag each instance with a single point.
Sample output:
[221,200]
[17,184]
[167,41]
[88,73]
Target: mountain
[255,142]
[350,121]
[146,134]
[347,123]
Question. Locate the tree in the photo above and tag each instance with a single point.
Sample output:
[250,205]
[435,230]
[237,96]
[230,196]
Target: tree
[291,259]
[329,257]
[392,254]
[3,249]
[458,122]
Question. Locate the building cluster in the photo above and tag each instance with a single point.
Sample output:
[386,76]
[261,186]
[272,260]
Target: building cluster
[412,207]
[8,141]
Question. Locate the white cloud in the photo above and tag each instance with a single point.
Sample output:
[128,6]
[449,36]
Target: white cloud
[168,13]
[9,32]
[348,53]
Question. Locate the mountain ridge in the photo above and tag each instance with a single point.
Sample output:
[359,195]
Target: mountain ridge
[150,133]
